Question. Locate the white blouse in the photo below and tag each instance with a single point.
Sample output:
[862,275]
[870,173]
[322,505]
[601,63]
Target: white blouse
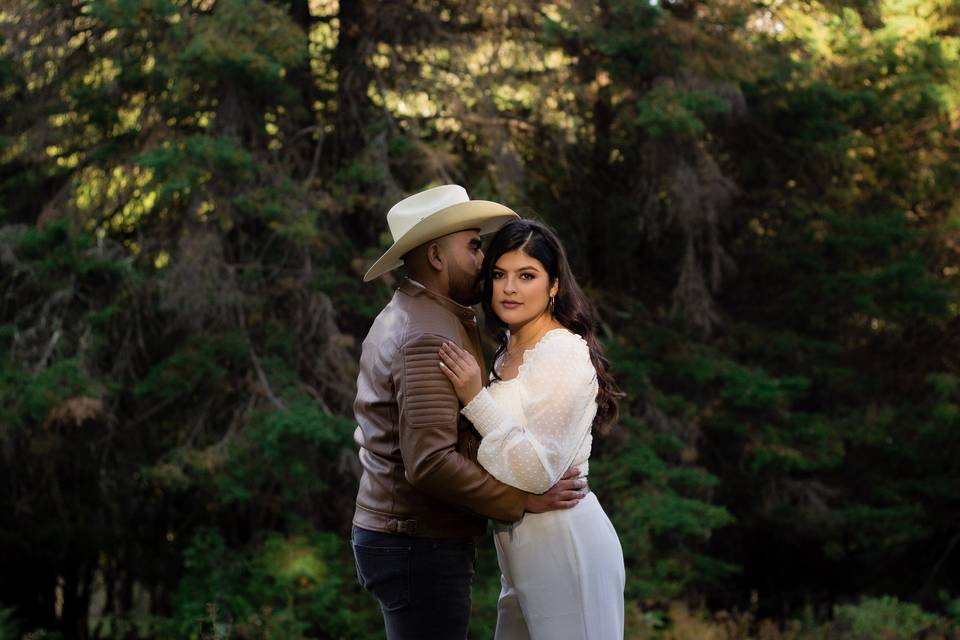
[538,425]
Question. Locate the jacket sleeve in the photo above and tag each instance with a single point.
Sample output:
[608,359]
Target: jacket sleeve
[429,417]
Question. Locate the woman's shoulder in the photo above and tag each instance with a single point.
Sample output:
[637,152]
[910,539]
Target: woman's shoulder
[559,345]
[562,338]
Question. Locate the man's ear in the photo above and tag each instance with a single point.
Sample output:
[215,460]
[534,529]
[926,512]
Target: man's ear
[435,256]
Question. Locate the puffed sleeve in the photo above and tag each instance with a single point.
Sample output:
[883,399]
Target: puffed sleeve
[558,389]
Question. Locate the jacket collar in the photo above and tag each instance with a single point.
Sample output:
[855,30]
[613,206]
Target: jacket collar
[413,288]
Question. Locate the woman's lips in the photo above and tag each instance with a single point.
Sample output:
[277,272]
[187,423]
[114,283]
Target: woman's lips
[509,304]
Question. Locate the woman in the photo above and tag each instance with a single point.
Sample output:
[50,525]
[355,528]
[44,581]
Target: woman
[562,571]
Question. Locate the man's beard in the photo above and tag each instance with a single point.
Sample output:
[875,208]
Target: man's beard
[465,289]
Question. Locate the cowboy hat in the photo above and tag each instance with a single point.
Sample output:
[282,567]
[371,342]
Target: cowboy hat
[432,214]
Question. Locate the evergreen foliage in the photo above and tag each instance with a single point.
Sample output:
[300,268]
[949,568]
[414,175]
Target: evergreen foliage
[763,200]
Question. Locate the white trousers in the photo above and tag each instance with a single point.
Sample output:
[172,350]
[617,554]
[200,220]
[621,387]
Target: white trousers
[562,576]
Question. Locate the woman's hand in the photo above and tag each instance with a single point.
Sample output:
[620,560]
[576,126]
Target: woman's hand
[461,367]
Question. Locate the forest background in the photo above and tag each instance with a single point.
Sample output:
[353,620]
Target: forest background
[762,197]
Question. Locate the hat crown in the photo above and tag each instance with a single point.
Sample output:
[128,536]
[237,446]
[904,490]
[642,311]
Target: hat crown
[404,215]
[432,214]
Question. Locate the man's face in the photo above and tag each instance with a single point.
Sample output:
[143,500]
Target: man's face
[465,257]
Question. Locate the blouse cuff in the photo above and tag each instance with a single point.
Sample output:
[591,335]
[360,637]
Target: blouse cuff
[483,412]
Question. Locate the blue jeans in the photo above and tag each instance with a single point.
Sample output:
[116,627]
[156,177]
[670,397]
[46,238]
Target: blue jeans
[423,584]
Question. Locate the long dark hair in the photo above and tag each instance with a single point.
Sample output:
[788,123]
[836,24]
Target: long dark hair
[571,307]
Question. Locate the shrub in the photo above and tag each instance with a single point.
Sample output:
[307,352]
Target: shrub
[885,618]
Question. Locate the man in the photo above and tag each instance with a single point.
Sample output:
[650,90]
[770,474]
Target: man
[422,496]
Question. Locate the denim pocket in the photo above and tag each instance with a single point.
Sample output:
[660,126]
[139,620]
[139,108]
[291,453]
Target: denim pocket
[385,572]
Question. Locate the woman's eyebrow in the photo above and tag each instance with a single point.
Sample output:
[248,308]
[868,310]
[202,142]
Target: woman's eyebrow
[528,267]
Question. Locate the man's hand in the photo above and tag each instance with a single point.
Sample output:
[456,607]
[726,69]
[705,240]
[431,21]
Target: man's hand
[568,491]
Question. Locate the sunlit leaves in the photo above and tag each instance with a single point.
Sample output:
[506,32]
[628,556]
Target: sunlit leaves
[182,165]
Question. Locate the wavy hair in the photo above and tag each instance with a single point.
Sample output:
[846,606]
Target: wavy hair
[571,307]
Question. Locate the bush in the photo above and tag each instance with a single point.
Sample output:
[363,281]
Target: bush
[8,626]
[885,618]
[288,587]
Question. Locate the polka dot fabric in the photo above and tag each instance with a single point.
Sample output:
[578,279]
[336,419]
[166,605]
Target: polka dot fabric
[537,425]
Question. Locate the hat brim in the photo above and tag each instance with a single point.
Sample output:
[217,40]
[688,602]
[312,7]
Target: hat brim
[474,214]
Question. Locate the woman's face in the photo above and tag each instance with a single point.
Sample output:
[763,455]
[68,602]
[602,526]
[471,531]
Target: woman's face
[521,288]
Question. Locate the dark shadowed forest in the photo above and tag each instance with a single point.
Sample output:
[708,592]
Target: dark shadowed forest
[762,198]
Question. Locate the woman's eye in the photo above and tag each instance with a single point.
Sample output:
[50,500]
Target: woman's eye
[526,276]
[496,275]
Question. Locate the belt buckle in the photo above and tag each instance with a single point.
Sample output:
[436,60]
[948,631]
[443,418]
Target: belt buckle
[402,526]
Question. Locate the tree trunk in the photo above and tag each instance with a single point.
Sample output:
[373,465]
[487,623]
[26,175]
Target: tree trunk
[302,76]
[351,58]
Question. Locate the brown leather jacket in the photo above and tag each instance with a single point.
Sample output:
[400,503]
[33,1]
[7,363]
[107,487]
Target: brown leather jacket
[420,474]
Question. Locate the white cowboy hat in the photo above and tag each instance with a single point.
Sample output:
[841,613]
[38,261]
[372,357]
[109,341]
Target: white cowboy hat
[432,214]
